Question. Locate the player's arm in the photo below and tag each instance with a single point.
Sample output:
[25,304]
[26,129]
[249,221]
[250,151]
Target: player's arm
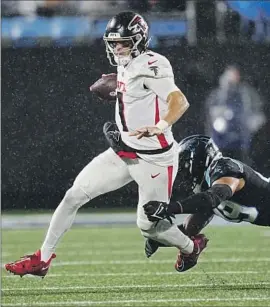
[177,106]
[165,88]
[222,189]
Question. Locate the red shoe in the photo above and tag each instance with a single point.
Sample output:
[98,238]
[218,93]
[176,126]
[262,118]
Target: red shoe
[187,261]
[30,264]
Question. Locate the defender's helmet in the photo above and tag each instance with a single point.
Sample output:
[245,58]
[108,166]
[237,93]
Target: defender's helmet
[196,153]
[132,31]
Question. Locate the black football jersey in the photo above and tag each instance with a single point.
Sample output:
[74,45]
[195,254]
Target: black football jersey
[251,203]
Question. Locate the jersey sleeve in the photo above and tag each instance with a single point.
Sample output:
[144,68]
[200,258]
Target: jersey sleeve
[161,87]
[224,167]
[158,76]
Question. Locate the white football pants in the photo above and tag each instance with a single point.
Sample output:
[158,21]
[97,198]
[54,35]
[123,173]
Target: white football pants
[108,172]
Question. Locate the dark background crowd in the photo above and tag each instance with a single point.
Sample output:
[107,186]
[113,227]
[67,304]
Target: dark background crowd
[52,124]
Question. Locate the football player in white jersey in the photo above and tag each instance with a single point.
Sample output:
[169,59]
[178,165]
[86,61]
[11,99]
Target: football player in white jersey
[148,104]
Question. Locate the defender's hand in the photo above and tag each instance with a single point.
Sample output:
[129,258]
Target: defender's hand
[156,211]
[146,132]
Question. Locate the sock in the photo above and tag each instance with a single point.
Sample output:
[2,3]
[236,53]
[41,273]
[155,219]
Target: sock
[170,234]
[61,221]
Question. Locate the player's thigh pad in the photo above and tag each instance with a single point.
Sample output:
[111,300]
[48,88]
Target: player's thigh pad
[106,172]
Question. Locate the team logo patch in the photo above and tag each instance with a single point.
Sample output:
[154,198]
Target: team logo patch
[154,69]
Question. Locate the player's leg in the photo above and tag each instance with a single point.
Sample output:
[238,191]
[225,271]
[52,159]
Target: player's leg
[105,173]
[194,223]
[164,231]
[155,183]
[192,226]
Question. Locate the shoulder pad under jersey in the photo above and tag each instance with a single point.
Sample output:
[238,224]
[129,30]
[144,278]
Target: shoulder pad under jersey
[153,65]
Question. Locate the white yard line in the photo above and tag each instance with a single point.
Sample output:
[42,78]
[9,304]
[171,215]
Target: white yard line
[118,302]
[140,274]
[136,286]
[117,219]
[123,262]
[92,245]
[75,244]
[140,251]
[120,262]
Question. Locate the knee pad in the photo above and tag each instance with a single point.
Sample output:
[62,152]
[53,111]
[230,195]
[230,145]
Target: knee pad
[75,196]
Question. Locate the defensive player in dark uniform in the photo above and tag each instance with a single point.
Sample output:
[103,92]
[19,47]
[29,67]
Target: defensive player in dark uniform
[216,185]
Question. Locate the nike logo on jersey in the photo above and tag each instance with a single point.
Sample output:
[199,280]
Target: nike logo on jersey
[154,176]
[152,62]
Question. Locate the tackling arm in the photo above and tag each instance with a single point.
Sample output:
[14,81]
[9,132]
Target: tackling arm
[221,190]
[194,223]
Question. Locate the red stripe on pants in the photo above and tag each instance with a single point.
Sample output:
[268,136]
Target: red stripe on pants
[162,140]
[170,181]
[121,106]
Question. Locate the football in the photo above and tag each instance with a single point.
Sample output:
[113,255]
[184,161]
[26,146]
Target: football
[105,87]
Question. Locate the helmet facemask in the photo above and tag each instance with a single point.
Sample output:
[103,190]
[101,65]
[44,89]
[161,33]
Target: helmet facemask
[130,50]
[196,153]
[191,175]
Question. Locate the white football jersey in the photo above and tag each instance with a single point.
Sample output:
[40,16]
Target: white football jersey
[142,90]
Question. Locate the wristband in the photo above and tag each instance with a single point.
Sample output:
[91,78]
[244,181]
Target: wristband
[162,125]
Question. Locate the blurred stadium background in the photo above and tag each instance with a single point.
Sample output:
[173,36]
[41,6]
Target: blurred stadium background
[52,51]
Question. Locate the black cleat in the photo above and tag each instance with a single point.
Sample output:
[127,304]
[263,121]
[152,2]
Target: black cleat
[151,246]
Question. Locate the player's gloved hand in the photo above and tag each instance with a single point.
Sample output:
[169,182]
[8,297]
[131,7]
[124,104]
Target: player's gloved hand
[157,210]
[112,135]
[146,132]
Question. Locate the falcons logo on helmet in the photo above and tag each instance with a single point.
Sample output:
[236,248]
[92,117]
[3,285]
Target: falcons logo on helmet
[137,24]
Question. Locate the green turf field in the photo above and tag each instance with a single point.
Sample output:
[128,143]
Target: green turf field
[107,267]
